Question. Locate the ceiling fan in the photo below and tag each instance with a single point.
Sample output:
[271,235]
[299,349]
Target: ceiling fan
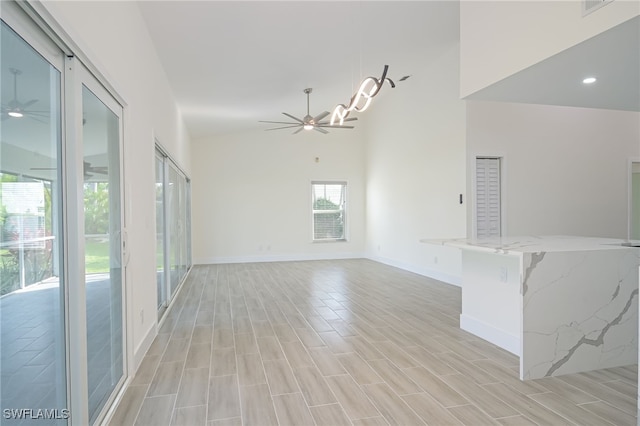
[16,109]
[308,122]
[89,170]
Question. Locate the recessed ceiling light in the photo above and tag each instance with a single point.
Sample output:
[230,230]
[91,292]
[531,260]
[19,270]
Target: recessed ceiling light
[589,80]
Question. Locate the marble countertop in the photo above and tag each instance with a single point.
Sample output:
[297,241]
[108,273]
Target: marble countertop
[536,244]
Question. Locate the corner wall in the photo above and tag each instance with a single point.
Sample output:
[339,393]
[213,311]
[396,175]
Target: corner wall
[566,169]
[416,170]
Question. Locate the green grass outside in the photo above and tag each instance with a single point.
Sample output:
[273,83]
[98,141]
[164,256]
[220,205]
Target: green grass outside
[96,257]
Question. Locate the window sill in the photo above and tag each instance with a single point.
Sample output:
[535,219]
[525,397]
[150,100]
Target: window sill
[337,240]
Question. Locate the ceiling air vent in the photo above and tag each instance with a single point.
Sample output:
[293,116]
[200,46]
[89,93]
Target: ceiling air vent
[589,6]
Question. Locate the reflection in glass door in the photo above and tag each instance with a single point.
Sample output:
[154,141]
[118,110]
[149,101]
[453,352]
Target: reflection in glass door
[32,279]
[103,266]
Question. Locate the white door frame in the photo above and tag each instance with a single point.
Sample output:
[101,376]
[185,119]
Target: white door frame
[471,167]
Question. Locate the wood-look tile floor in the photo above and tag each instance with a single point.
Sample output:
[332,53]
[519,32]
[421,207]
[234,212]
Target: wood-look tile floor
[348,342]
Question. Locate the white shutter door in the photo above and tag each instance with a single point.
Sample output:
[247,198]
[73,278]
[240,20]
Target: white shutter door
[488,203]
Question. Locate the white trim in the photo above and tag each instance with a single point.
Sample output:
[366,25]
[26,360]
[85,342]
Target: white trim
[471,165]
[165,152]
[138,357]
[25,26]
[347,208]
[491,334]
[143,347]
[451,279]
[74,258]
[277,258]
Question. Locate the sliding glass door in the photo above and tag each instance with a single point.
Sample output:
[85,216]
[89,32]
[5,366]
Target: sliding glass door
[173,225]
[62,328]
[32,275]
[101,131]
[160,232]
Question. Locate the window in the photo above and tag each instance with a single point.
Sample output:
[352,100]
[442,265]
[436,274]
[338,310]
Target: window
[329,210]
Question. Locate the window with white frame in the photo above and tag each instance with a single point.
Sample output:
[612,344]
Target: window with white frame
[329,210]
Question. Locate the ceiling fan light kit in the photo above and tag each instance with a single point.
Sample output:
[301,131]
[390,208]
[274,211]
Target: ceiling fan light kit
[308,122]
[360,101]
[16,109]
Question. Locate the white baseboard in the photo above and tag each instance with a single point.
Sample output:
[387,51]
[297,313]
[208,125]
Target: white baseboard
[277,258]
[491,334]
[420,270]
[430,273]
[144,346]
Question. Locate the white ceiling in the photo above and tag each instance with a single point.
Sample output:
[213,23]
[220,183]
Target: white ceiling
[232,63]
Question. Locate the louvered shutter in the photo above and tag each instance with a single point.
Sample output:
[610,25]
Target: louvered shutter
[488,197]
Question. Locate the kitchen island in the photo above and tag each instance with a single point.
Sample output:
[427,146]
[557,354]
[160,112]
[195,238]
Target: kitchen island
[562,304]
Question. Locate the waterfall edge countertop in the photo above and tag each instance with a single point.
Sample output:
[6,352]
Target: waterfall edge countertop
[535,244]
[563,304]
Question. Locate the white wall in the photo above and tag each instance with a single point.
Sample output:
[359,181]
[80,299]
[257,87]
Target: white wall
[252,194]
[566,168]
[416,170]
[500,38]
[113,36]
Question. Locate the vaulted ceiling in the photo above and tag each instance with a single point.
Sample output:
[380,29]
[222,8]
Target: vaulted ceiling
[233,63]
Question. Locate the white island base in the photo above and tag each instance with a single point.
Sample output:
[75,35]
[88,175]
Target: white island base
[562,304]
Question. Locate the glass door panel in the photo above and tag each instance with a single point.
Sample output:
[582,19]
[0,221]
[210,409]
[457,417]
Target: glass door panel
[103,267]
[173,200]
[32,282]
[160,233]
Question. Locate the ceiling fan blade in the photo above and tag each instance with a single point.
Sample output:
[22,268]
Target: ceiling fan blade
[29,103]
[295,118]
[346,119]
[298,131]
[284,127]
[277,122]
[320,129]
[37,119]
[320,116]
[336,126]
